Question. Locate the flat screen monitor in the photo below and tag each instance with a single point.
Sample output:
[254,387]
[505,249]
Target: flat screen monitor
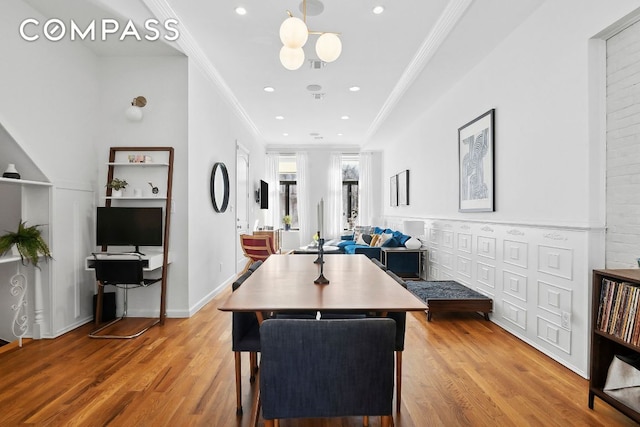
[119,226]
[264,195]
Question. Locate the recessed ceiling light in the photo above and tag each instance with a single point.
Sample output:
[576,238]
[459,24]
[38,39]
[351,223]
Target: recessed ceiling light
[285,134]
[269,89]
[378,10]
[314,134]
[340,134]
[345,117]
[314,88]
[241,10]
[279,117]
[354,88]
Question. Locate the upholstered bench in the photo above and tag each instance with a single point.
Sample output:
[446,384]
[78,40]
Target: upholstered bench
[447,295]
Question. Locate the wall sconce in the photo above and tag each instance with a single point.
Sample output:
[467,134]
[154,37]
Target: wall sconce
[134,112]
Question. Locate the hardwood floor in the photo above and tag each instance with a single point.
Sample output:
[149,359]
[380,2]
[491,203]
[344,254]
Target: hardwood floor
[459,370]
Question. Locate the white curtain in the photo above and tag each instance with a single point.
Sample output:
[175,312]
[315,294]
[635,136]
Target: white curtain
[272,171]
[333,210]
[365,190]
[302,183]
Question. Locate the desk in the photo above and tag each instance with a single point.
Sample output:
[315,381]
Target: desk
[153,261]
[285,283]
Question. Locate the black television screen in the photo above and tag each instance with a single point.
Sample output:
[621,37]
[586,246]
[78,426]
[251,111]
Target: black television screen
[264,195]
[120,226]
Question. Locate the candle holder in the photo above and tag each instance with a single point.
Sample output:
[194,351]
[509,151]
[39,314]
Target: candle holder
[320,258]
[321,280]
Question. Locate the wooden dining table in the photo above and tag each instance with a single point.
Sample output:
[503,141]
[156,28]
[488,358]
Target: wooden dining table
[286,283]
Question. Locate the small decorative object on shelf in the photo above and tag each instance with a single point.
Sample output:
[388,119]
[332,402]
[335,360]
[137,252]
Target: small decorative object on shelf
[11,172]
[117,185]
[287,222]
[29,243]
[154,190]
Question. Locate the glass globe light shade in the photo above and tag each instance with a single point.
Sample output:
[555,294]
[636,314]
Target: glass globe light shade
[294,32]
[328,47]
[134,113]
[291,59]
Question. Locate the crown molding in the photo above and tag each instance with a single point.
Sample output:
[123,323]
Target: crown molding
[447,21]
[188,45]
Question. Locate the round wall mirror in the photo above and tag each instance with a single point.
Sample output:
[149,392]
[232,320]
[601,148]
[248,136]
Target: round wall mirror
[219,187]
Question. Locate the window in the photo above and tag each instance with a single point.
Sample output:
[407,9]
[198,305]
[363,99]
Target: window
[350,178]
[287,175]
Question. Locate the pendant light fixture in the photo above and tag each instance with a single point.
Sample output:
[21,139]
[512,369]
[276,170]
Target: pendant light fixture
[294,33]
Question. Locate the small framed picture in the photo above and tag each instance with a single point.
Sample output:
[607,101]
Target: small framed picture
[393,190]
[403,188]
[476,149]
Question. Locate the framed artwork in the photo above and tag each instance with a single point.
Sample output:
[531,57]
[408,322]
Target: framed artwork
[476,149]
[393,190]
[403,188]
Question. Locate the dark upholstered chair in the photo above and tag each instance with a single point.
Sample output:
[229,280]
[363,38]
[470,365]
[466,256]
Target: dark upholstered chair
[245,336]
[397,278]
[377,262]
[401,324]
[331,368]
[255,265]
[121,271]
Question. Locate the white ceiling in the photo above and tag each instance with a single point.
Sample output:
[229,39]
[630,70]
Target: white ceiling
[407,56]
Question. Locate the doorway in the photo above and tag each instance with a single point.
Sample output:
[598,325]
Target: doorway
[242,202]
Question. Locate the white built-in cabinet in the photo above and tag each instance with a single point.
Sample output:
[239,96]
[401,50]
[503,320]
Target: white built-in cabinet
[25,290]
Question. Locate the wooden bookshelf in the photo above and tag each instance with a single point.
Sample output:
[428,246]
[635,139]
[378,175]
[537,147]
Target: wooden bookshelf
[615,325]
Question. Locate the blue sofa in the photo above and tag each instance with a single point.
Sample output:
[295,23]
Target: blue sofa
[349,246]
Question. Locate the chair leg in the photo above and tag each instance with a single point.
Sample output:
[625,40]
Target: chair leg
[398,380]
[246,267]
[269,423]
[255,409]
[238,359]
[365,421]
[253,366]
[98,318]
[386,421]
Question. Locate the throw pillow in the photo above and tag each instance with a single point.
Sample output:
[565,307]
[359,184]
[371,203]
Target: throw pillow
[383,239]
[391,243]
[364,239]
[374,240]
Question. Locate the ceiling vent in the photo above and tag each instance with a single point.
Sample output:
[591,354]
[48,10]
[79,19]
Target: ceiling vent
[318,96]
[316,64]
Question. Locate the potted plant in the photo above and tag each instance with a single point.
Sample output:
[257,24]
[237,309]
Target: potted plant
[28,242]
[117,185]
[287,222]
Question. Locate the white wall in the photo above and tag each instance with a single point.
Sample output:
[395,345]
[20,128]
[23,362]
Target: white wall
[49,98]
[539,80]
[214,130]
[162,80]
[49,106]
